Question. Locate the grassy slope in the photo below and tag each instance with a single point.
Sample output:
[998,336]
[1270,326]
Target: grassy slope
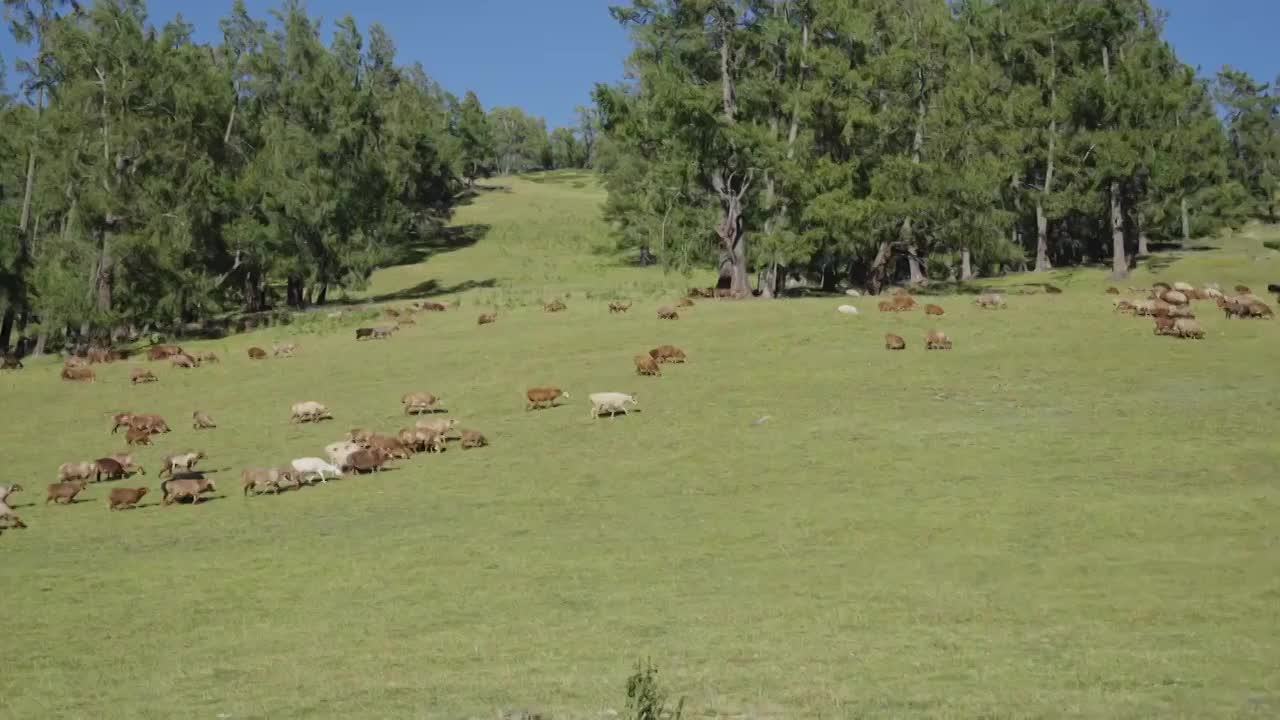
[1065,516]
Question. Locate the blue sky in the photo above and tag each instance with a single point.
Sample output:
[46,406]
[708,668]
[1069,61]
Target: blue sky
[545,55]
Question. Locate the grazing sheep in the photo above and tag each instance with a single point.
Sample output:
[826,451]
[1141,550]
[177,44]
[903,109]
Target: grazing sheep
[1113,291]
[406,321]
[932,309]
[610,402]
[391,446]
[208,356]
[894,342]
[6,513]
[991,301]
[120,420]
[108,469]
[1243,290]
[310,411]
[126,461]
[667,312]
[125,498]
[619,307]
[141,375]
[418,403]
[903,303]
[74,362]
[487,318]
[1233,309]
[76,471]
[384,332]
[1125,305]
[430,441]
[1213,293]
[668,354]
[1052,289]
[886,306]
[1173,297]
[284,350]
[339,451]
[937,340]
[259,480]
[646,365]
[257,353]
[1160,288]
[365,461]
[1164,325]
[685,302]
[1185,328]
[360,436]
[554,306]
[543,397]
[364,333]
[64,493]
[137,436]
[473,439]
[1260,310]
[1182,312]
[433,307]
[153,424]
[10,362]
[314,467]
[201,421]
[162,352]
[185,361]
[78,374]
[847,310]
[440,425]
[102,356]
[1184,288]
[180,461]
[187,486]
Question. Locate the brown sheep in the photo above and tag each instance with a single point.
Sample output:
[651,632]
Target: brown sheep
[418,403]
[646,365]
[126,461]
[444,426]
[208,356]
[185,361]
[1233,308]
[137,436]
[360,436]
[667,312]
[390,446]
[365,461]
[904,302]
[284,350]
[10,362]
[76,471]
[183,461]
[1113,291]
[108,469]
[1243,290]
[257,353]
[894,342]
[1161,288]
[162,352]
[886,306]
[120,420]
[1185,328]
[487,318]
[102,356]
[1182,312]
[668,354]
[391,313]
[554,306]
[201,421]
[1125,306]
[1164,326]
[433,307]
[152,423]
[142,375]
[1052,289]
[473,439]
[1260,310]
[125,498]
[685,303]
[78,374]
[937,340]
[406,321]
[186,486]
[258,480]
[619,307]
[932,309]
[364,334]
[1173,297]
[64,493]
[543,397]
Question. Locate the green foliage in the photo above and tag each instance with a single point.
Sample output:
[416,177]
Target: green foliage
[645,698]
[1253,127]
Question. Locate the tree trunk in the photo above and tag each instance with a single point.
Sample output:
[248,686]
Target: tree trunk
[293,292]
[767,283]
[253,295]
[1042,239]
[106,271]
[323,294]
[966,265]
[1143,240]
[1042,220]
[917,145]
[6,327]
[913,257]
[733,237]
[879,268]
[1186,222]
[1119,263]
[41,338]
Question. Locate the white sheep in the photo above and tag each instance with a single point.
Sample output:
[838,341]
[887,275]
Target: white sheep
[310,411]
[610,402]
[847,310]
[6,513]
[77,471]
[314,466]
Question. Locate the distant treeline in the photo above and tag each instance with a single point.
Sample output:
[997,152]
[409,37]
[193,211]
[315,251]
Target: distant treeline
[878,141]
[149,179]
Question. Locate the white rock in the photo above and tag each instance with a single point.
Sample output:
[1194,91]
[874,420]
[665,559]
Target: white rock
[848,309]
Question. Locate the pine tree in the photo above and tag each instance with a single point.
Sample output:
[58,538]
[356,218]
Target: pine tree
[476,137]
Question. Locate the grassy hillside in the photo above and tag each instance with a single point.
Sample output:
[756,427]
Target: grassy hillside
[1065,516]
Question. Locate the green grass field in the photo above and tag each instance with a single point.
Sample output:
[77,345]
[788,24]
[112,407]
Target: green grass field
[1065,516]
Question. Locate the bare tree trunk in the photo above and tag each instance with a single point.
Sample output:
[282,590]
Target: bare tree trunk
[1143,240]
[6,327]
[879,268]
[1042,220]
[1119,263]
[966,265]
[106,271]
[730,186]
[1186,222]
[918,276]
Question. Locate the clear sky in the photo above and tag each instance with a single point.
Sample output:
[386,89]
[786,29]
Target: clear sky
[544,55]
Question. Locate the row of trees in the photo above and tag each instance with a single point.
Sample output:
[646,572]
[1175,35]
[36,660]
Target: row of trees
[887,139]
[149,179]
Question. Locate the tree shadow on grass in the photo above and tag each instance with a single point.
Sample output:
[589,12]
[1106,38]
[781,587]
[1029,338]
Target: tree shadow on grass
[446,239]
[425,289]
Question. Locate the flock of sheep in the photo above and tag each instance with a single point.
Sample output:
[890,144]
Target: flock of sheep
[364,451]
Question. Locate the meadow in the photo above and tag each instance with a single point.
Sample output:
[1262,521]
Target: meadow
[1064,516]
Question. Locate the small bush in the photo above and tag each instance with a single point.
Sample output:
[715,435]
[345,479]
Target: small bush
[645,699]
